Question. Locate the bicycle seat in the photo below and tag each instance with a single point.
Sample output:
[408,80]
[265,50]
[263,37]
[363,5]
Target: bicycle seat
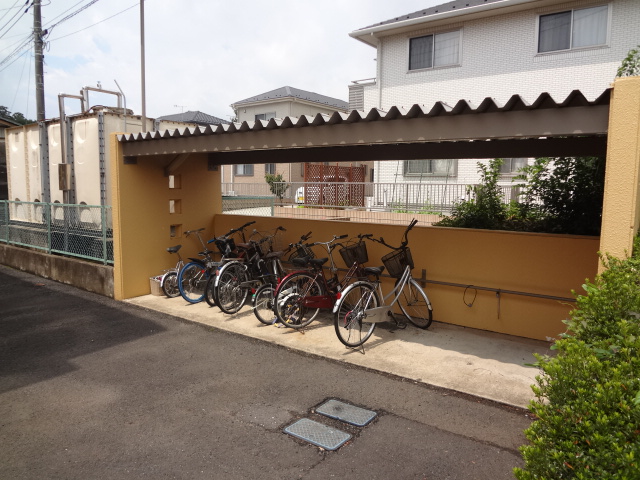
[271,255]
[373,270]
[174,249]
[304,261]
[204,253]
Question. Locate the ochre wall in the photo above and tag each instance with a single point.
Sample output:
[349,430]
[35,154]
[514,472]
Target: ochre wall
[142,220]
[621,208]
[532,263]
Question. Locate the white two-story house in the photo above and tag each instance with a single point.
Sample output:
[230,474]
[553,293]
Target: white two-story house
[473,49]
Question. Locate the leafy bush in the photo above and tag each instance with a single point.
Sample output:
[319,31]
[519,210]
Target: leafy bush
[564,194]
[561,195]
[485,207]
[630,66]
[588,397]
[276,184]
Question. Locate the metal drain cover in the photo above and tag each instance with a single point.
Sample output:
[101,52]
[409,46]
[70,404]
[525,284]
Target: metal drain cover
[318,434]
[346,413]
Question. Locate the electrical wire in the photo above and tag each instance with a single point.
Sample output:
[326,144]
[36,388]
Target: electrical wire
[20,80]
[103,20]
[17,20]
[8,9]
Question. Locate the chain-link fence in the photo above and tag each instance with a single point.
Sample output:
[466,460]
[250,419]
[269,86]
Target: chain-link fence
[82,231]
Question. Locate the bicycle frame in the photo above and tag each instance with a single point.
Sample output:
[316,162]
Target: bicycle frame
[381,314]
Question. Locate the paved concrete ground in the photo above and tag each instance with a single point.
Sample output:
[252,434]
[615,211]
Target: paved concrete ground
[484,364]
[93,388]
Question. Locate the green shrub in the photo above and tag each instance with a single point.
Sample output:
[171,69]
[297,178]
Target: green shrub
[588,397]
[630,66]
[485,207]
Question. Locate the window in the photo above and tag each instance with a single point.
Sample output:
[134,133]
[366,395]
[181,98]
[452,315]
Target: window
[586,27]
[429,167]
[270,168]
[511,166]
[265,116]
[243,170]
[435,50]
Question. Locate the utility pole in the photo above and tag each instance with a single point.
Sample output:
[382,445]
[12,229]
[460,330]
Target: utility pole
[142,81]
[37,37]
[40,107]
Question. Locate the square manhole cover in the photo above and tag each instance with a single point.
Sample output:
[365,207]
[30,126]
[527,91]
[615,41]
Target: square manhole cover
[346,413]
[318,434]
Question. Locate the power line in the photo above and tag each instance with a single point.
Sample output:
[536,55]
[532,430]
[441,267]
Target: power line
[8,9]
[14,16]
[94,24]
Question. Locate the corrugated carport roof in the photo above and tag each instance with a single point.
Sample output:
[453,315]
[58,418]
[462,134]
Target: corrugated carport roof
[575,126]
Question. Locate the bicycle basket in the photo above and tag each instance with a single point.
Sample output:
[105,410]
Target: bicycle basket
[355,254]
[396,261]
[226,245]
[302,251]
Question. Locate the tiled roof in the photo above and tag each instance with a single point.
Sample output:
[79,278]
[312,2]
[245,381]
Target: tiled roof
[439,109]
[194,117]
[291,92]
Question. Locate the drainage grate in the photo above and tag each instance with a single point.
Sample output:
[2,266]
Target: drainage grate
[318,434]
[346,413]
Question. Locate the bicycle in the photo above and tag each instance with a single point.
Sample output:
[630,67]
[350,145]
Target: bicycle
[302,294]
[169,281]
[361,305]
[229,251]
[193,277]
[263,299]
[238,277]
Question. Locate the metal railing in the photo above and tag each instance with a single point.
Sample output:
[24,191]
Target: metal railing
[386,202]
[82,231]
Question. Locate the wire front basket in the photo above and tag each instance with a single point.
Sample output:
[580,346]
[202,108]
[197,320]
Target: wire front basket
[396,261]
[302,251]
[355,254]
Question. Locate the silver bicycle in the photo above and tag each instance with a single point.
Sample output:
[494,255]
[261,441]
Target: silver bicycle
[361,305]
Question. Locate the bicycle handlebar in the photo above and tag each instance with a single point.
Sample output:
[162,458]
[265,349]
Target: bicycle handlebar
[404,242]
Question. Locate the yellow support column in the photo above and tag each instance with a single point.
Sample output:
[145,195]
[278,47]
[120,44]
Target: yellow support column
[621,207]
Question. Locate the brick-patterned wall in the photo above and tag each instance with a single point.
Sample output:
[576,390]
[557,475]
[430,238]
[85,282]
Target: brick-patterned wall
[499,60]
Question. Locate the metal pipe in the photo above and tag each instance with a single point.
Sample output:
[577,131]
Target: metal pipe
[125,104]
[85,94]
[142,68]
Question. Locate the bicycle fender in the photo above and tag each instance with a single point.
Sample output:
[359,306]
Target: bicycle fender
[344,292]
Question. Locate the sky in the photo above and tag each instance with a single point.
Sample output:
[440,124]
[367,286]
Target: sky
[199,54]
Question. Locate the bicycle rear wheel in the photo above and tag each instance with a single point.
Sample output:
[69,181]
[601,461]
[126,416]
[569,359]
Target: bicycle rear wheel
[263,304]
[415,304]
[209,291]
[231,288]
[170,285]
[349,320]
[191,281]
[290,308]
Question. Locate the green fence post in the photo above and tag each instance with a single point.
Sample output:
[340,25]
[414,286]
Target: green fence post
[103,213]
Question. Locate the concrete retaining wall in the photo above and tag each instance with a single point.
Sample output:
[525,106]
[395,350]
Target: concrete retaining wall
[88,276]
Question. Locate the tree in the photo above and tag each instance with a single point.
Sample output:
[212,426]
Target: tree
[277,184]
[17,116]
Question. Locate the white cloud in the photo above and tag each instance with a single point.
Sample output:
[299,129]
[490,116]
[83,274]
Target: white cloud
[200,54]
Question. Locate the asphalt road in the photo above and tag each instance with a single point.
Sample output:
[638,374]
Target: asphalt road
[94,388]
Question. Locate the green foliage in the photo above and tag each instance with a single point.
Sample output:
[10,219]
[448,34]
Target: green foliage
[588,397]
[630,66]
[276,184]
[561,195]
[17,116]
[485,208]
[564,194]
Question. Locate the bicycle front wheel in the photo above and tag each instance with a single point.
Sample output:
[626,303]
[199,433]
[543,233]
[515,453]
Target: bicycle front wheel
[191,281]
[263,304]
[350,320]
[415,304]
[232,288]
[170,285]
[290,298]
